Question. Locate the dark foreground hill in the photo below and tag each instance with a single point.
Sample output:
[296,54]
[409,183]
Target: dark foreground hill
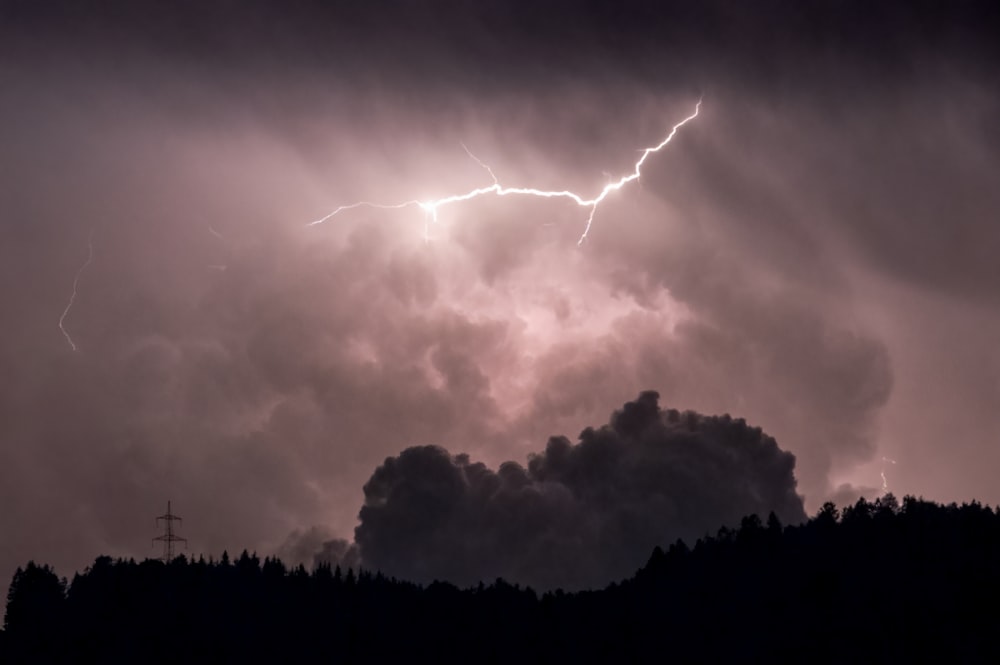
[878,583]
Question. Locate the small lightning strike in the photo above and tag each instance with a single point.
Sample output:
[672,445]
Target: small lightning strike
[431,207]
[72,296]
[493,175]
[885,484]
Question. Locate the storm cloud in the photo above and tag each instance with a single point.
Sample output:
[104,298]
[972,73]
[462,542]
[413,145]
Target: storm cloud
[579,515]
[816,253]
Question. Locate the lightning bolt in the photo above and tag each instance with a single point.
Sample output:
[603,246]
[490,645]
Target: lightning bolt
[72,296]
[885,484]
[431,207]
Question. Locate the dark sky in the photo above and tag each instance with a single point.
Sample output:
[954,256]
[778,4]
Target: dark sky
[815,253]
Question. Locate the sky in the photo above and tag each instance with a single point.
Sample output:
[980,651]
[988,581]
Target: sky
[813,255]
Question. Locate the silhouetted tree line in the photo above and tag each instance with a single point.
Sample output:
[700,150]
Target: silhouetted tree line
[877,582]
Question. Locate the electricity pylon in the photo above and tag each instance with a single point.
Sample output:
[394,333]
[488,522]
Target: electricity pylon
[169,538]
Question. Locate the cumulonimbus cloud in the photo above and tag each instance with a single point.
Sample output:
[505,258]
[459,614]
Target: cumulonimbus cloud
[578,515]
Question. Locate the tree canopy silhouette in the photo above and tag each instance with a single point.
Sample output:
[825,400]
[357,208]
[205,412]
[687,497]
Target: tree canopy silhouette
[877,581]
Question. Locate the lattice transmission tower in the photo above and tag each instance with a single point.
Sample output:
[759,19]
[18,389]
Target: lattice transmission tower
[169,537]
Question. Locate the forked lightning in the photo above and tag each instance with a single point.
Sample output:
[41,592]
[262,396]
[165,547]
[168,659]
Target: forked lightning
[72,296]
[431,207]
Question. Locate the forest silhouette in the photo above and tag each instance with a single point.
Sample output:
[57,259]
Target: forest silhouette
[875,582]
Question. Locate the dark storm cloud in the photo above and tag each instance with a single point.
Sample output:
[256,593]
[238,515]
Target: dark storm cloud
[578,515]
[494,43]
[313,547]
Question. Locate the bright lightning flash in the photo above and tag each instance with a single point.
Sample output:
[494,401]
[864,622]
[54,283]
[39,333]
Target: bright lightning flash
[72,296]
[431,207]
